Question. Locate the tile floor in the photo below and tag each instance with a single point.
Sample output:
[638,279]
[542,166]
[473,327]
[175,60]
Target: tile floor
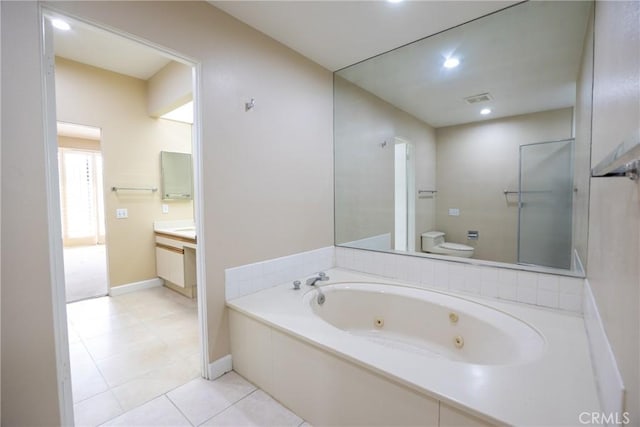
[135,362]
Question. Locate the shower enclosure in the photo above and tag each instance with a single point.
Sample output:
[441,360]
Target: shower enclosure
[546,204]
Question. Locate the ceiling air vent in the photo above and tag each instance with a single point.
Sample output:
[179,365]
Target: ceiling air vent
[483,97]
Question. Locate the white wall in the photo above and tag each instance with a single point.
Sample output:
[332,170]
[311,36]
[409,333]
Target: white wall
[613,267]
[267,173]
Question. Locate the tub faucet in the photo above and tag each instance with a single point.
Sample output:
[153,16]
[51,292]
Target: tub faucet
[321,277]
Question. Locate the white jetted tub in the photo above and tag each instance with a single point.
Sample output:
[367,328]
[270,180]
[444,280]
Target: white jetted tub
[428,323]
[380,352]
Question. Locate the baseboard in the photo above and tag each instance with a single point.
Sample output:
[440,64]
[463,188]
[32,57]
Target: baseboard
[136,286]
[608,378]
[220,367]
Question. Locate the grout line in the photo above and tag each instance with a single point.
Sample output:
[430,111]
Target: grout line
[179,410]
[234,403]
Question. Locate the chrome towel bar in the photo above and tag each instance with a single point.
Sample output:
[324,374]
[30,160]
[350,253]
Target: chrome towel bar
[623,161]
[152,189]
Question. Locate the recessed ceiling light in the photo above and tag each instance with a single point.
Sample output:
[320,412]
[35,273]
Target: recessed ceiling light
[485,111]
[451,63]
[60,24]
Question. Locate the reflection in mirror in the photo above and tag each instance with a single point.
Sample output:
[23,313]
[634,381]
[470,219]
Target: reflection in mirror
[177,176]
[472,143]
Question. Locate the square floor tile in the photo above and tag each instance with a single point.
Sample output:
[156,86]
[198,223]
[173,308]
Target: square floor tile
[86,379]
[200,399]
[92,327]
[126,366]
[118,342]
[96,410]
[152,384]
[257,409]
[158,412]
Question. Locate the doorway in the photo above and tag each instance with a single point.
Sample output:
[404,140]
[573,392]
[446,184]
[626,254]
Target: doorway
[404,196]
[82,211]
[126,348]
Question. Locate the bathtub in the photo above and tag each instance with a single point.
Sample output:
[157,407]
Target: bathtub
[382,352]
[428,323]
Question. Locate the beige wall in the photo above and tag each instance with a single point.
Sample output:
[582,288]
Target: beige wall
[131,144]
[475,163]
[169,88]
[613,269]
[365,170]
[267,173]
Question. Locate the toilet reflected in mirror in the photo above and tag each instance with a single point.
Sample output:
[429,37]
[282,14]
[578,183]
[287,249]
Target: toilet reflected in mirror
[433,242]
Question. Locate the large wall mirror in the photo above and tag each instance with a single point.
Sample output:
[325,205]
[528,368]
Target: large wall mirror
[472,143]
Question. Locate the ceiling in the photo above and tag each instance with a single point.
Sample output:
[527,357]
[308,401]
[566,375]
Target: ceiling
[526,57]
[336,34]
[104,49]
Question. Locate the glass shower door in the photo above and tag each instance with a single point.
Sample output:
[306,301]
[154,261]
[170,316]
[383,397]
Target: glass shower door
[545,204]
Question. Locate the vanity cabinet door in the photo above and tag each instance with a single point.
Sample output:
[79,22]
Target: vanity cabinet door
[170,264]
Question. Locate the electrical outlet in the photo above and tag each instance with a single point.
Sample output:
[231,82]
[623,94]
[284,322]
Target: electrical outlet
[165,208]
[454,212]
[122,213]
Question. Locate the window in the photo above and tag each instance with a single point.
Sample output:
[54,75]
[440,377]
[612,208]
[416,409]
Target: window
[81,196]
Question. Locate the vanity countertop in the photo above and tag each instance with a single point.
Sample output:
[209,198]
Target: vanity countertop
[185,229]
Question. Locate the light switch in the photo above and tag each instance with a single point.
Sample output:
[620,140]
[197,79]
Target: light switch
[122,213]
[165,208]
[454,212]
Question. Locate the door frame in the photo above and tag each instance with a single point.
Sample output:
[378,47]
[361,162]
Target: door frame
[56,261]
[410,190]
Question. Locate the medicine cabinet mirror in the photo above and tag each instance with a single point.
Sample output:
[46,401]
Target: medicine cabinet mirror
[177,176]
[481,132]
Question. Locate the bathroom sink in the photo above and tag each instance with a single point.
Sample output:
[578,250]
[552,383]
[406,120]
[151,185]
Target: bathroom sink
[181,228]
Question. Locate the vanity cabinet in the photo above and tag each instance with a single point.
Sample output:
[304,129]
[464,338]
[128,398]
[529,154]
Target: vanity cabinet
[176,262]
[170,264]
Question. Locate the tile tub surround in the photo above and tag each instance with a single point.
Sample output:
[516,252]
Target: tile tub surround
[536,288]
[265,324]
[250,278]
